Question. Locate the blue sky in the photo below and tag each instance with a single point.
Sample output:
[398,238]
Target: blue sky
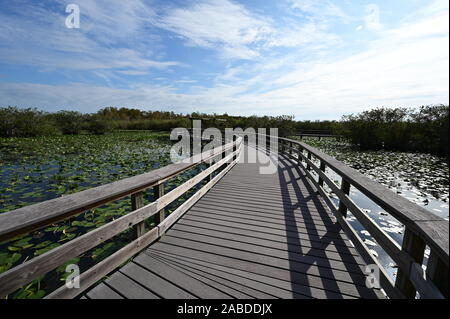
[315,59]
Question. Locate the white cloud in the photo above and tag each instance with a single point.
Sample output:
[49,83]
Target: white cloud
[236,33]
[372,18]
[303,35]
[319,9]
[98,44]
[220,24]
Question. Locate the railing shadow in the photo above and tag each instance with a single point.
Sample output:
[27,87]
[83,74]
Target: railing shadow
[292,209]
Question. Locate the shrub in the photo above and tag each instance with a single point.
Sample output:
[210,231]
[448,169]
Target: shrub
[424,130]
[69,122]
[15,122]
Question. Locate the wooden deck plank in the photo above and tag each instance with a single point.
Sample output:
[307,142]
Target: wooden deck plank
[291,219]
[102,291]
[299,211]
[264,238]
[278,287]
[251,230]
[261,216]
[183,231]
[156,284]
[318,233]
[286,197]
[128,287]
[267,200]
[182,280]
[236,289]
[335,271]
[290,275]
[298,252]
[256,203]
[253,288]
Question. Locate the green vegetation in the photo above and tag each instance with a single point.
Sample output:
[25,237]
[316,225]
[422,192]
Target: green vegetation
[416,130]
[16,122]
[424,130]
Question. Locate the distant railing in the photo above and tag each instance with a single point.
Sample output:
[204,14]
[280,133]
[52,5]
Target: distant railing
[317,133]
[29,218]
[422,228]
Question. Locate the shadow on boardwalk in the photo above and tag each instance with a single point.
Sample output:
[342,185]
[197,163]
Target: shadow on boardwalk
[251,236]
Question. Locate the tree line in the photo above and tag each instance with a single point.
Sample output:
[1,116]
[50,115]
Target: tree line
[424,129]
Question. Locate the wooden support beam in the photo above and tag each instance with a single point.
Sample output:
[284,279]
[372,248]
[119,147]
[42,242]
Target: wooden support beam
[322,168]
[345,188]
[158,192]
[137,201]
[308,167]
[437,272]
[414,246]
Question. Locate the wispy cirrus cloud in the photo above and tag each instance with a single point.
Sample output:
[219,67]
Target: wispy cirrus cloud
[302,60]
[237,33]
[219,24]
[318,10]
[111,37]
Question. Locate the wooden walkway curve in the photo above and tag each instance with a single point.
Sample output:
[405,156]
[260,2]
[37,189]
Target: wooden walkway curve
[250,236]
[243,233]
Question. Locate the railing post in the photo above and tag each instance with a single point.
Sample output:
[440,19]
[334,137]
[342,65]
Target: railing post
[210,177]
[414,246]
[308,167]
[137,201]
[158,192]
[437,272]
[345,188]
[234,148]
[322,168]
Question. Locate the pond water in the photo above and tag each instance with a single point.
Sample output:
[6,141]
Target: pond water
[420,178]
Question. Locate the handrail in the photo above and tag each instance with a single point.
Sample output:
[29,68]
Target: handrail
[422,227]
[26,219]
[22,274]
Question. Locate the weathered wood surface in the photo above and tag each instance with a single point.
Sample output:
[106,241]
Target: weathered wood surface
[250,236]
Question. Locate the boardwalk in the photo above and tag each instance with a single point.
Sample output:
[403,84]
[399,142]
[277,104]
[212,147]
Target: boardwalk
[242,234]
[250,236]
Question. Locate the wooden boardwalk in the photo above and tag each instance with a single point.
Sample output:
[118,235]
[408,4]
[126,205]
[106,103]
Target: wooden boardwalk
[242,234]
[250,236]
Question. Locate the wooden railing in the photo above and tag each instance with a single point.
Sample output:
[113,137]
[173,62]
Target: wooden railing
[29,218]
[316,133]
[422,228]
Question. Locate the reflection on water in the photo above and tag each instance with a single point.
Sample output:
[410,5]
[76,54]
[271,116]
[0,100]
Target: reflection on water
[421,178]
